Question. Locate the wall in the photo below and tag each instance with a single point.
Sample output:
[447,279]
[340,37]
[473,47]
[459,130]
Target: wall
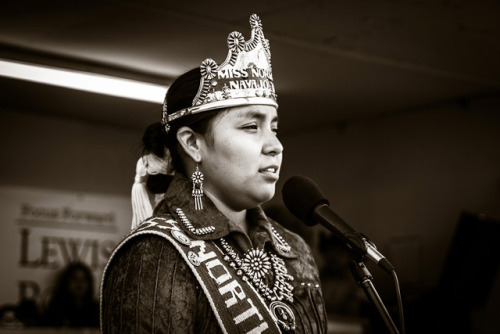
[403,179]
[56,153]
[64,197]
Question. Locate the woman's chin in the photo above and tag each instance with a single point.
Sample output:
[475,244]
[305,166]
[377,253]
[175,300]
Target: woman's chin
[265,195]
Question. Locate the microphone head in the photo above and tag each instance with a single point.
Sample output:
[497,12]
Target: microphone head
[301,196]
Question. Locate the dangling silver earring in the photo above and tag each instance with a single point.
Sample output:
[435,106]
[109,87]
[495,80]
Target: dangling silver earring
[197,193]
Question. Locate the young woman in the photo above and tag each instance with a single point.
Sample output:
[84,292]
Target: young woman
[209,260]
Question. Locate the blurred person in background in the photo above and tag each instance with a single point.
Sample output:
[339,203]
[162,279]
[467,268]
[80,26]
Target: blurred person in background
[73,303]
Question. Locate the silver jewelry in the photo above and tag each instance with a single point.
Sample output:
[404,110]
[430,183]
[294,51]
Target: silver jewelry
[197,231]
[181,237]
[197,192]
[193,258]
[282,244]
[254,267]
[283,314]
[164,118]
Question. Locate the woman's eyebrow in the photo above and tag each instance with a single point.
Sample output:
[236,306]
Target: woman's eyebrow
[256,114]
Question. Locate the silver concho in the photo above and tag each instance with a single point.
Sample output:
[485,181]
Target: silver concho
[283,315]
[181,237]
[193,258]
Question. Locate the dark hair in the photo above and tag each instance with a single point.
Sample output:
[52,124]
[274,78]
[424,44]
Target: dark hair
[62,289]
[66,309]
[180,95]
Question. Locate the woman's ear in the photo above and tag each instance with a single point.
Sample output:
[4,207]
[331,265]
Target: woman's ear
[190,142]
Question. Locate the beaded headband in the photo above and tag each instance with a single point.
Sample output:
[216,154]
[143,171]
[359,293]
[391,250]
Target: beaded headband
[244,78]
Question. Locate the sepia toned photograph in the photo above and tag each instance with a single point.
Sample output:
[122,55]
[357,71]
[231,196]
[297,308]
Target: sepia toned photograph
[324,166]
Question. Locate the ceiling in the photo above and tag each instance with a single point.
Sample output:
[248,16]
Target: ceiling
[333,61]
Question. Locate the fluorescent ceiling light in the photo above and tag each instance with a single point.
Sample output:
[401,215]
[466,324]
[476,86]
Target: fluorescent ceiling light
[89,82]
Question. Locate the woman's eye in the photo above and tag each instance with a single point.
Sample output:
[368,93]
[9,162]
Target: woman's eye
[250,127]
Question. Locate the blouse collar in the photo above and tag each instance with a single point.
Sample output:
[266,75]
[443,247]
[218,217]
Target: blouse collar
[178,196]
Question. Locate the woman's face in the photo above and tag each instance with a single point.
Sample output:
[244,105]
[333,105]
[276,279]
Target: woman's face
[242,163]
[78,284]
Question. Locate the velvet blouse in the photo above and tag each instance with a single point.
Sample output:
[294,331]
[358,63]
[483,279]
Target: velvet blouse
[149,288]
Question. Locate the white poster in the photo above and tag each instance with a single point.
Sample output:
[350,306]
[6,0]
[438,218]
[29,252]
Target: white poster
[42,231]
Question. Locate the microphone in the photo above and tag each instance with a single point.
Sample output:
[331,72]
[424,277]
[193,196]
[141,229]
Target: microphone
[305,200]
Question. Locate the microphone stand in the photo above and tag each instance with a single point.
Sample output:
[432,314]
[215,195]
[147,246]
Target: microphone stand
[364,280]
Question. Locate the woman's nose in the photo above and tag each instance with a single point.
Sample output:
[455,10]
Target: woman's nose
[272,145]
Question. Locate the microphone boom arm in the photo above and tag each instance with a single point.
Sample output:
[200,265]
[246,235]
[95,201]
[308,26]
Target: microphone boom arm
[364,280]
